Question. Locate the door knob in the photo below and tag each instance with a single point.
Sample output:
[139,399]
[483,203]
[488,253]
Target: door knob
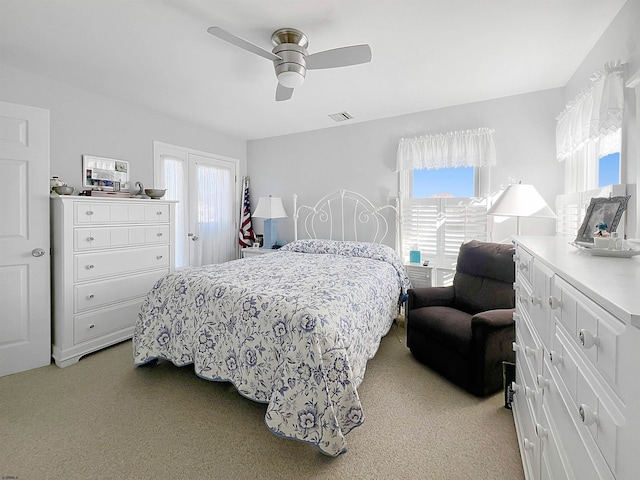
[37,252]
[193,237]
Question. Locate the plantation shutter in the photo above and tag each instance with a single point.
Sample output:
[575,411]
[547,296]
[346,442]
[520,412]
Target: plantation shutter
[438,226]
[464,219]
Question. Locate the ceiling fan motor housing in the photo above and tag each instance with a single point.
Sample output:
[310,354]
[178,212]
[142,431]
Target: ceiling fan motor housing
[290,45]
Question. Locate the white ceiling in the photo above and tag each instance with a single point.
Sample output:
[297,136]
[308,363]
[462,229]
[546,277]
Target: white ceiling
[426,54]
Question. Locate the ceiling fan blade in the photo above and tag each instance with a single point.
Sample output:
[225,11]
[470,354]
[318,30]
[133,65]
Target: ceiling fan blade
[244,44]
[283,93]
[339,57]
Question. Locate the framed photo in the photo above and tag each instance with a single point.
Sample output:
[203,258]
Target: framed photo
[605,211]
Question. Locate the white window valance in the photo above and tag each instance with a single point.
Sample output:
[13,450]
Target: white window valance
[465,148]
[594,114]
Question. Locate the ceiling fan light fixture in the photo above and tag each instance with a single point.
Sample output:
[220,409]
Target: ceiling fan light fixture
[290,79]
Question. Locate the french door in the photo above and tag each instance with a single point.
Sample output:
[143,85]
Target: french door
[205,187]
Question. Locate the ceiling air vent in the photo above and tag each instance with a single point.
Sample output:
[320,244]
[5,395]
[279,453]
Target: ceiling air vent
[340,117]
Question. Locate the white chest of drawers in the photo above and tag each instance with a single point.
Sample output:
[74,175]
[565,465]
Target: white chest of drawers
[107,254]
[577,391]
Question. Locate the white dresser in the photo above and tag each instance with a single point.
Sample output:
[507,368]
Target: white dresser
[576,404]
[107,254]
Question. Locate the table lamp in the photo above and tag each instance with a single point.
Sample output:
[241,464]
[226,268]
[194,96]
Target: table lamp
[270,208]
[520,200]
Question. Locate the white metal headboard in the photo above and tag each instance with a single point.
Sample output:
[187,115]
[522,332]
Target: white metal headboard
[329,216]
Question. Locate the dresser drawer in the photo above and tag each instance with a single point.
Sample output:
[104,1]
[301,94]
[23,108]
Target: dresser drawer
[593,404]
[104,292]
[522,294]
[119,212]
[583,456]
[156,213]
[89,266]
[525,424]
[96,324]
[528,348]
[105,237]
[524,264]
[552,463]
[597,333]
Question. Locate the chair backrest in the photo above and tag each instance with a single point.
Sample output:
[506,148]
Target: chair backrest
[484,277]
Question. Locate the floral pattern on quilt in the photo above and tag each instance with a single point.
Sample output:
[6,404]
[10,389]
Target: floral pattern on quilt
[290,329]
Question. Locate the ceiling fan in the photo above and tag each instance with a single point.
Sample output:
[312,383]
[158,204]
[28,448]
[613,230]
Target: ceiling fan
[290,57]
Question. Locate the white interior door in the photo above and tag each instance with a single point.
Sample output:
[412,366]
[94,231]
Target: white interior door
[25,298]
[212,210]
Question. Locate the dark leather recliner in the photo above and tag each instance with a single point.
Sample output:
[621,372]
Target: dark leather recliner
[465,331]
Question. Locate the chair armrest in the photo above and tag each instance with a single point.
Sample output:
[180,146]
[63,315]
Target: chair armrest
[493,319]
[431,297]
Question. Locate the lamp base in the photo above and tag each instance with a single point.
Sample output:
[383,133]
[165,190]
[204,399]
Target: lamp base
[270,233]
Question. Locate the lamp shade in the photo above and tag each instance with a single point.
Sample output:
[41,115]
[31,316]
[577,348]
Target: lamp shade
[269,207]
[520,200]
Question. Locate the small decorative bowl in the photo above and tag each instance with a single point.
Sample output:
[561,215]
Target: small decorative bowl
[63,190]
[155,192]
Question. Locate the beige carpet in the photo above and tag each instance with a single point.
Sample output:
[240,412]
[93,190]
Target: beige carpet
[104,419]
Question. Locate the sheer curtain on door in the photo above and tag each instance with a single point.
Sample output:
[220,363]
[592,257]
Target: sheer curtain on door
[214,223]
[174,178]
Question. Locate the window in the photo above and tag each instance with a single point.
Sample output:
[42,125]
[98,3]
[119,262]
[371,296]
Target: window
[444,182]
[609,169]
[442,212]
[442,185]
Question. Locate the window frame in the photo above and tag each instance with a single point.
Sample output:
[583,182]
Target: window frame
[441,254]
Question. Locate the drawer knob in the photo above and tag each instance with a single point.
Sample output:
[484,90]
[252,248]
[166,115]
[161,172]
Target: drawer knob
[555,303]
[158,213]
[516,258]
[90,266]
[159,234]
[89,212]
[158,257]
[555,358]
[90,296]
[587,415]
[541,432]
[529,392]
[542,382]
[515,387]
[515,316]
[528,444]
[523,266]
[92,326]
[529,352]
[515,347]
[535,300]
[91,239]
[516,287]
[588,339]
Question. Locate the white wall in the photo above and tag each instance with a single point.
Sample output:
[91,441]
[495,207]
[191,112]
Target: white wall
[361,157]
[621,41]
[86,123]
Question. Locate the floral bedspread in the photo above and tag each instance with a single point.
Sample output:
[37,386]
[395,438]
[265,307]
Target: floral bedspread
[293,329]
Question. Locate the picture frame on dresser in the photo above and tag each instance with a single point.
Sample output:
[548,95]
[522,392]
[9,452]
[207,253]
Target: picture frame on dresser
[607,210]
[105,173]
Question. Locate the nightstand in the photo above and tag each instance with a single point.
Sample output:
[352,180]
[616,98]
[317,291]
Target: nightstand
[433,275]
[251,251]
[419,275]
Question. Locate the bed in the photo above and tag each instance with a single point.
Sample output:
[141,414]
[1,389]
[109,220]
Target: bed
[293,329]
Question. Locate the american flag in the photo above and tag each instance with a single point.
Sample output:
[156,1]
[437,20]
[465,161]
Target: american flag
[245,234]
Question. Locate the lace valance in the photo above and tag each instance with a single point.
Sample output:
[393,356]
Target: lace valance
[465,148]
[594,114]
